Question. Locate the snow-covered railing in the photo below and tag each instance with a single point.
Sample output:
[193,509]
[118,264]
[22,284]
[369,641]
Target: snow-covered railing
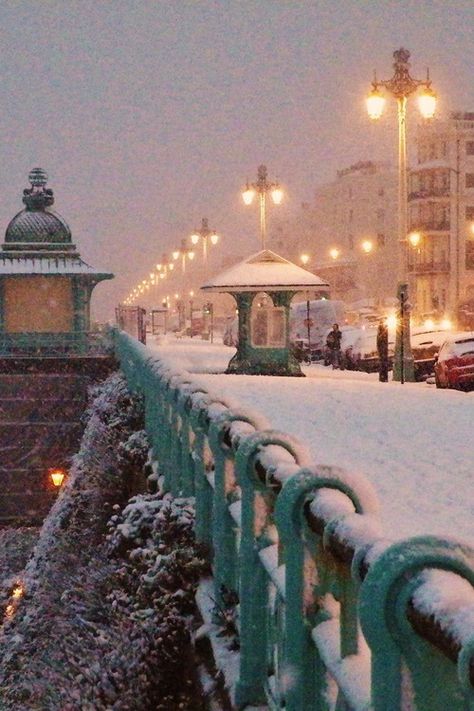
[330,614]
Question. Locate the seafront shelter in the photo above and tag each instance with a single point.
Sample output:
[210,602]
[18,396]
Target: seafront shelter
[263,286]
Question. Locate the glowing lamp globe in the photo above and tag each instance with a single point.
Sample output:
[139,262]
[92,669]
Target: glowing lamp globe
[175,254]
[391,322]
[214,238]
[191,255]
[334,253]
[171,266]
[367,246]
[248,195]
[427,103]
[277,195]
[375,104]
[57,477]
[194,238]
[304,259]
[414,238]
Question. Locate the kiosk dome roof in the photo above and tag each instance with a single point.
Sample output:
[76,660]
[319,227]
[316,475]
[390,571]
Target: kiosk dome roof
[36,223]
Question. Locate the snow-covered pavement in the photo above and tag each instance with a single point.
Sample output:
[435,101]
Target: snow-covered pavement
[415,443]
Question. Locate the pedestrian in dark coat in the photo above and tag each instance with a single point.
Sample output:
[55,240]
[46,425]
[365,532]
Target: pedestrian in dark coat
[382,350]
[333,342]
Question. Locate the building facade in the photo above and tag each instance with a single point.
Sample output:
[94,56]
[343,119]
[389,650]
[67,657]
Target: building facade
[350,234]
[441,213]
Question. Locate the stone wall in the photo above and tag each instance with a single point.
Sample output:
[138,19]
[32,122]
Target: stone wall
[40,428]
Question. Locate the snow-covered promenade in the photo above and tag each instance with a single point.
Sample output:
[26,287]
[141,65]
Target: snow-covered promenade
[413,442]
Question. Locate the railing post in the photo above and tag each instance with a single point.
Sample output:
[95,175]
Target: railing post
[385,595]
[225,489]
[184,404]
[204,492]
[253,578]
[308,688]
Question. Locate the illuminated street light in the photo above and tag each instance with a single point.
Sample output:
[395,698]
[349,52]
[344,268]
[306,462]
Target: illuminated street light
[183,252]
[57,477]
[204,234]
[414,239]
[261,188]
[367,246]
[304,259]
[401,85]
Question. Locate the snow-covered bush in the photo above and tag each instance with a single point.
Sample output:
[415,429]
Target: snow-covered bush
[158,573]
[103,624]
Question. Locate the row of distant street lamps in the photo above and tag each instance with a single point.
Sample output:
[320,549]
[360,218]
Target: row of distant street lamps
[401,85]
[260,188]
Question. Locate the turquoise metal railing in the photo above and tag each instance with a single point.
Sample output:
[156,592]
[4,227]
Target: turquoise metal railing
[331,615]
[53,344]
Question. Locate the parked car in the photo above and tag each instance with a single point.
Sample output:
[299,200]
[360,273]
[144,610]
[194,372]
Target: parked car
[454,367]
[299,347]
[425,347]
[360,349]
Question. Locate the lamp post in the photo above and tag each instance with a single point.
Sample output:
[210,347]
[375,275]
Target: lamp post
[204,234]
[261,187]
[304,259]
[401,85]
[191,294]
[184,252]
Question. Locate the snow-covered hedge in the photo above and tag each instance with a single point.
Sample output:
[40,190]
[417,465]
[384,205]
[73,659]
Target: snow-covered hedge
[103,621]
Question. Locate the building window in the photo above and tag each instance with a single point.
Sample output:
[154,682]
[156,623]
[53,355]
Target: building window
[351,215]
[351,241]
[470,148]
[380,240]
[469,180]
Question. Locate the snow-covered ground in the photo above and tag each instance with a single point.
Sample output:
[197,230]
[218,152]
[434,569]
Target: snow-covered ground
[414,442]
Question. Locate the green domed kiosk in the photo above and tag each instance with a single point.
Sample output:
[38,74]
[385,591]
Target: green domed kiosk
[45,286]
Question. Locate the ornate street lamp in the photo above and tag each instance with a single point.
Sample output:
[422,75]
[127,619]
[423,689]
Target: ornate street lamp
[261,188]
[183,252]
[204,234]
[401,85]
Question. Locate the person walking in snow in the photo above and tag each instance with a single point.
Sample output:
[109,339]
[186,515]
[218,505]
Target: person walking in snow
[382,350]
[333,342]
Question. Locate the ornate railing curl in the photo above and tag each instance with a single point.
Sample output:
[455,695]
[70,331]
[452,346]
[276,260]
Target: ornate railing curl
[330,614]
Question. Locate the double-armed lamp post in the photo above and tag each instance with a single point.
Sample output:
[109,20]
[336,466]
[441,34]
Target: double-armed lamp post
[261,187]
[183,252]
[203,235]
[402,85]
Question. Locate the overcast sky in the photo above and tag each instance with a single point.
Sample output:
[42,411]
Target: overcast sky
[150,115]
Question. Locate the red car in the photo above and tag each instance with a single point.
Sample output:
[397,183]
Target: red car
[454,367]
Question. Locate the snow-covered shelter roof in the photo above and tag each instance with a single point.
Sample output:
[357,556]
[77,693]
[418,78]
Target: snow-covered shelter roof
[264,271]
[47,265]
